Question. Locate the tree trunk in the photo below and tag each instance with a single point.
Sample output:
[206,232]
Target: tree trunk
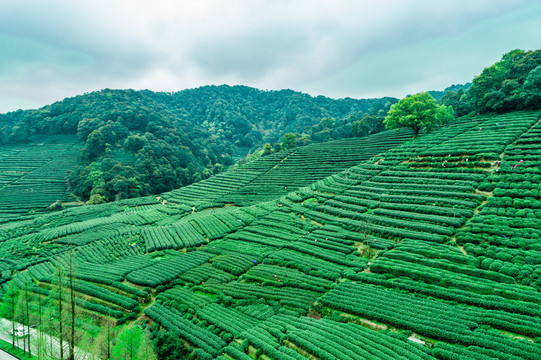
[60,314]
[109,337]
[12,298]
[40,330]
[72,308]
[23,312]
[28,318]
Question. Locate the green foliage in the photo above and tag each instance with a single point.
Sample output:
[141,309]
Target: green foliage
[510,84]
[96,199]
[289,141]
[267,150]
[19,353]
[530,96]
[133,344]
[148,143]
[168,346]
[438,95]
[419,112]
[357,124]
[458,101]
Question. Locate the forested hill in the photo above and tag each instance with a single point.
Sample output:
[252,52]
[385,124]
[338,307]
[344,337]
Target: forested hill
[136,143]
[131,143]
[454,88]
[245,116]
[249,116]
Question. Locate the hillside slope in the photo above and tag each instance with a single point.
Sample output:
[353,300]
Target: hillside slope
[34,177]
[136,143]
[376,247]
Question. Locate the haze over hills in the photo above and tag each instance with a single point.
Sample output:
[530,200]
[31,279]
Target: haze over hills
[412,244]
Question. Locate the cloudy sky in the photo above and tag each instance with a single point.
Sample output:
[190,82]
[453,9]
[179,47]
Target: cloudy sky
[58,48]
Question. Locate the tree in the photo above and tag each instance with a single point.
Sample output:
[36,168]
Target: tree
[530,96]
[289,141]
[71,308]
[502,86]
[146,350]
[22,312]
[102,344]
[302,140]
[41,341]
[9,302]
[127,343]
[135,143]
[96,199]
[58,278]
[458,101]
[48,326]
[169,346]
[359,128]
[267,150]
[65,303]
[27,298]
[94,147]
[133,344]
[419,112]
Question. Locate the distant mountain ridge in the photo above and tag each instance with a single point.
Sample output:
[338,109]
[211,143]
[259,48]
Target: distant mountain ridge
[439,94]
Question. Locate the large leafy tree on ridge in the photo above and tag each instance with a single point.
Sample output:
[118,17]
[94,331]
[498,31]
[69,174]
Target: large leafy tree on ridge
[419,112]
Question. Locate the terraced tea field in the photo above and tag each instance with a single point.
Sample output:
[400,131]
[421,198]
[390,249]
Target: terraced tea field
[385,247]
[280,173]
[33,177]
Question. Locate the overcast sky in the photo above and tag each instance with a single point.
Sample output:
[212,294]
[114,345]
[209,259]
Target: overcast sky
[54,49]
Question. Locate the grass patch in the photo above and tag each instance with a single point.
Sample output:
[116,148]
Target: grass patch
[15,351]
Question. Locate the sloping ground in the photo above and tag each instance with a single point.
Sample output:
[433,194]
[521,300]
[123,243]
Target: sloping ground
[435,240]
[33,177]
[280,173]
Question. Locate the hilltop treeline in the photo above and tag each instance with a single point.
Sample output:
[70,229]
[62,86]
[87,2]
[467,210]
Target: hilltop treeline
[140,142]
[510,84]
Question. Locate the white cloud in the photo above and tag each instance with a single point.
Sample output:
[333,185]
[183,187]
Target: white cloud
[336,48]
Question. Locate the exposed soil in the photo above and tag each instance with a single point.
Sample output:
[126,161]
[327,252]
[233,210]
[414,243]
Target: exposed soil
[304,353]
[314,314]
[364,322]
[142,316]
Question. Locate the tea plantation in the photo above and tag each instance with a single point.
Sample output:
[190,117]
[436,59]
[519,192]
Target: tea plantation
[33,177]
[383,247]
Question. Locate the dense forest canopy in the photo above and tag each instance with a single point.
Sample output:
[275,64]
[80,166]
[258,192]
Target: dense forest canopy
[140,142]
[510,84]
[453,88]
